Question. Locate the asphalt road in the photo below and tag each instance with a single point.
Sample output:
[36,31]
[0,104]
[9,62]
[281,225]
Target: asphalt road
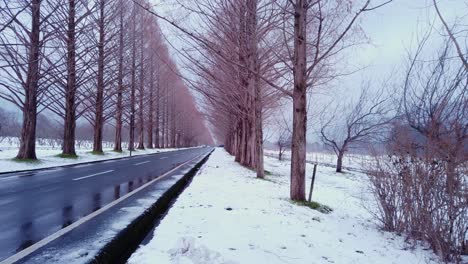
[34,205]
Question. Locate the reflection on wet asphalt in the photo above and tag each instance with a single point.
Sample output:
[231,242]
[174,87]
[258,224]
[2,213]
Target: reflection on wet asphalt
[38,204]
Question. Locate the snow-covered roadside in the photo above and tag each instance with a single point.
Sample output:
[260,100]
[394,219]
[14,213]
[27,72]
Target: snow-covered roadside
[227,215]
[48,158]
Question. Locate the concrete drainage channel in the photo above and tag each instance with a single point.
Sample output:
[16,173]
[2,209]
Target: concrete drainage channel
[127,241]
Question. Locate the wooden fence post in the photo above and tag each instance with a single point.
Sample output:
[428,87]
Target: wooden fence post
[312,183]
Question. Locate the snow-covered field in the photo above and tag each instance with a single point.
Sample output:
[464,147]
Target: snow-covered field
[47,151]
[356,161]
[227,215]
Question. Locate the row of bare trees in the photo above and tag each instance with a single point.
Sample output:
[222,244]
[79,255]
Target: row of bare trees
[234,81]
[250,54]
[102,61]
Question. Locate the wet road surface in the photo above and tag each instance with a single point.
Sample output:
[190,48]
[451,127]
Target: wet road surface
[34,205]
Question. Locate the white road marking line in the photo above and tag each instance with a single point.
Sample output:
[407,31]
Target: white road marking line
[92,175]
[27,251]
[136,164]
[163,158]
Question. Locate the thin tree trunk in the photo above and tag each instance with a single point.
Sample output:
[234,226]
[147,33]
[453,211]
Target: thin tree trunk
[237,147]
[151,104]
[298,150]
[141,120]
[70,114]
[163,117]
[156,136]
[119,107]
[339,161]
[99,120]
[173,117]
[27,148]
[131,143]
[166,119]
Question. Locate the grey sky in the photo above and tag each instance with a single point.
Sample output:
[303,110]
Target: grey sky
[392,29]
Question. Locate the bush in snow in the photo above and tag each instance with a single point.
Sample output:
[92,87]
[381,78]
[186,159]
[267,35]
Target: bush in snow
[423,196]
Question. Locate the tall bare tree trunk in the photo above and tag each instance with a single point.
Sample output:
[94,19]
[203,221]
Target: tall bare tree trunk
[255,80]
[141,120]
[298,150]
[131,143]
[156,136]
[119,107]
[163,119]
[173,123]
[70,114]
[166,118]
[99,120]
[151,104]
[27,148]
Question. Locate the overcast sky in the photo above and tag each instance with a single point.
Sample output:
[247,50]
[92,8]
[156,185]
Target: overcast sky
[392,29]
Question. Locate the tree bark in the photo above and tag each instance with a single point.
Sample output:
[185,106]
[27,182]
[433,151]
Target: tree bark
[166,118]
[339,161]
[173,123]
[99,120]
[27,148]
[255,79]
[131,143]
[141,120]
[156,135]
[163,127]
[151,104]
[298,150]
[70,92]
[119,106]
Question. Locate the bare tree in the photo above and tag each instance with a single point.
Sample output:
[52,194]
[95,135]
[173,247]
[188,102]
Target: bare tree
[131,144]
[99,119]
[120,78]
[23,69]
[283,143]
[453,38]
[360,121]
[72,66]
[328,28]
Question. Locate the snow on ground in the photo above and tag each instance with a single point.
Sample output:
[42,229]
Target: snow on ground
[351,160]
[48,151]
[227,215]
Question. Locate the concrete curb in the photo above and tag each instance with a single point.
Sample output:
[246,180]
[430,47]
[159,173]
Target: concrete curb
[121,247]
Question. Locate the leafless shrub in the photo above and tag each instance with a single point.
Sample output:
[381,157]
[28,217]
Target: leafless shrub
[421,184]
[414,198]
